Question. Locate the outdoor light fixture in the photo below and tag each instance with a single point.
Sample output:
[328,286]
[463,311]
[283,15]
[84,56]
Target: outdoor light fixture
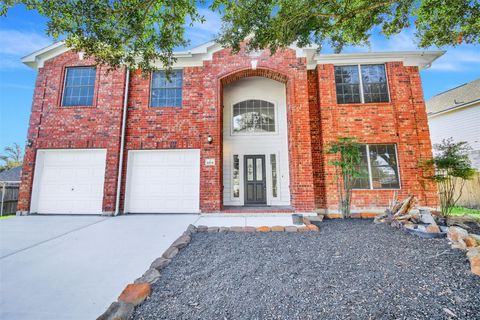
[209,139]
[29,143]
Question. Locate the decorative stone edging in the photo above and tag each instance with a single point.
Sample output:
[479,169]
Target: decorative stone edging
[355,215]
[135,293]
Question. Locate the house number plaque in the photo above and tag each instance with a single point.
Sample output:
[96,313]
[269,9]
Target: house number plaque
[209,162]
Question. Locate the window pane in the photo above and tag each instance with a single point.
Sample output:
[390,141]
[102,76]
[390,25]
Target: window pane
[273,165]
[363,182]
[250,169]
[347,84]
[236,176]
[79,86]
[166,92]
[259,169]
[384,178]
[374,80]
[383,163]
[253,116]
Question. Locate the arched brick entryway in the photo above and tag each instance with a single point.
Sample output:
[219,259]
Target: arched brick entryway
[299,163]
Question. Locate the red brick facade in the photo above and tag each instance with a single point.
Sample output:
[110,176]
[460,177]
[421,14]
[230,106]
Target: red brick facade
[314,120]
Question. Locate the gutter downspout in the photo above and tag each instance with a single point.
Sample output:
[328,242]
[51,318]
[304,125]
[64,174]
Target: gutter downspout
[122,142]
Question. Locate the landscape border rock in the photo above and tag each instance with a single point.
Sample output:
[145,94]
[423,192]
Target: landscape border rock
[137,292]
[461,239]
[118,311]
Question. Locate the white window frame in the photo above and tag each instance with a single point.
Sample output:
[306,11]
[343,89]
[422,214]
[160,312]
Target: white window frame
[359,67]
[369,165]
[275,109]
[65,87]
[270,174]
[240,180]
[151,88]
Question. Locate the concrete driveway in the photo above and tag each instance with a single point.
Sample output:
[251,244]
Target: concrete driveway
[73,267]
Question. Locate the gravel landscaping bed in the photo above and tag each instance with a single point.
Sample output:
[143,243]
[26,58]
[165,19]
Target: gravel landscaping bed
[351,269]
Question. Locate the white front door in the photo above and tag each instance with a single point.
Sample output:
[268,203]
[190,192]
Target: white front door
[69,181]
[163,181]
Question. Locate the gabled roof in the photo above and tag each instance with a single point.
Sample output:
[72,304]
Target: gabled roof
[11,175]
[458,97]
[203,52]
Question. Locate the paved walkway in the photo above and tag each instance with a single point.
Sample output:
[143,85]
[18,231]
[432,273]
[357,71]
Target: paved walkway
[73,267]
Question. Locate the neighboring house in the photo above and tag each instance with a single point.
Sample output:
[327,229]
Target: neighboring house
[455,114]
[9,185]
[11,176]
[229,133]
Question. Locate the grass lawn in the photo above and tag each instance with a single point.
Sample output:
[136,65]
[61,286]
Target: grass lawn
[460,211]
[5,217]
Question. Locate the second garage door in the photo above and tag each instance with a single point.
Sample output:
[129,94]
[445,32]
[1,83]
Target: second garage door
[163,181]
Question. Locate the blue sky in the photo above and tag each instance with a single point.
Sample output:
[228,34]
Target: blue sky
[22,32]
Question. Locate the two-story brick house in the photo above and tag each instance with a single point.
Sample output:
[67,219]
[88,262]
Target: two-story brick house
[227,133]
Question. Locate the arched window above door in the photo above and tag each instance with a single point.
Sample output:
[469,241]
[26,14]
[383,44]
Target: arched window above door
[253,116]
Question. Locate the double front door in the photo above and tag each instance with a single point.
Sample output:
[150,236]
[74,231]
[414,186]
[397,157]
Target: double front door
[255,180]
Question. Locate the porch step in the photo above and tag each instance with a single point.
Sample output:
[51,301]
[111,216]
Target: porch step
[271,209]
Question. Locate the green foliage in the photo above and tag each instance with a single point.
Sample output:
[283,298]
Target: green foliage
[452,169]
[347,165]
[279,23]
[11,157]
[133,32]
[462,211]
[141,32]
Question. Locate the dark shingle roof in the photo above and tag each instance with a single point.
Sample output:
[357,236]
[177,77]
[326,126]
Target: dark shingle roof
[454,98]
[11,175]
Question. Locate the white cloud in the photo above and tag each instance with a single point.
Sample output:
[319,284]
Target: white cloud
[212,23]
[203,32]
[461,58]
[9,62]
[16,44]
[404,41]
[458,59]
[21,43]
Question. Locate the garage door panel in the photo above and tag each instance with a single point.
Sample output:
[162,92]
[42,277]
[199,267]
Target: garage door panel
[163,181]
[69,181]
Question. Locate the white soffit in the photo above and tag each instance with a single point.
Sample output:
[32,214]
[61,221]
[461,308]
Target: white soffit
[421,59]
[204,52]
[36,59]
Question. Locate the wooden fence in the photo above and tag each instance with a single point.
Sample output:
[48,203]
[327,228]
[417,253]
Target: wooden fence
[10,198]
[471,193]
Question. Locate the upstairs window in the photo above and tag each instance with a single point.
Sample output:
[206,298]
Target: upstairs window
[79,86]
[370,87]
[253,116]
[166,92]
[379,167]
[347,84]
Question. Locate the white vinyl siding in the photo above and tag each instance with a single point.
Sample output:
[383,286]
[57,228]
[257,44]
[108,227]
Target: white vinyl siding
[461,125]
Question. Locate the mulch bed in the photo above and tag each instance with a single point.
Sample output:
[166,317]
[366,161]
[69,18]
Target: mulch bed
[351,269]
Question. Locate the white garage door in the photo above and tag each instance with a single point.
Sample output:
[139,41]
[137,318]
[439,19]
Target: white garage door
[69,181]
[163,181]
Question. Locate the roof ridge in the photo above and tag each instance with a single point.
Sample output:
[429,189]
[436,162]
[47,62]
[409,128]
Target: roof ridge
[459,86]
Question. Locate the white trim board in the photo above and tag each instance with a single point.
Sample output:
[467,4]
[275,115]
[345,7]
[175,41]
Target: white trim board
[204,52]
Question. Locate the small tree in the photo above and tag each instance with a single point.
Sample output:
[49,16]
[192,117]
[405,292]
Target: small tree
[452,170]
[347,169]
[11,156]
